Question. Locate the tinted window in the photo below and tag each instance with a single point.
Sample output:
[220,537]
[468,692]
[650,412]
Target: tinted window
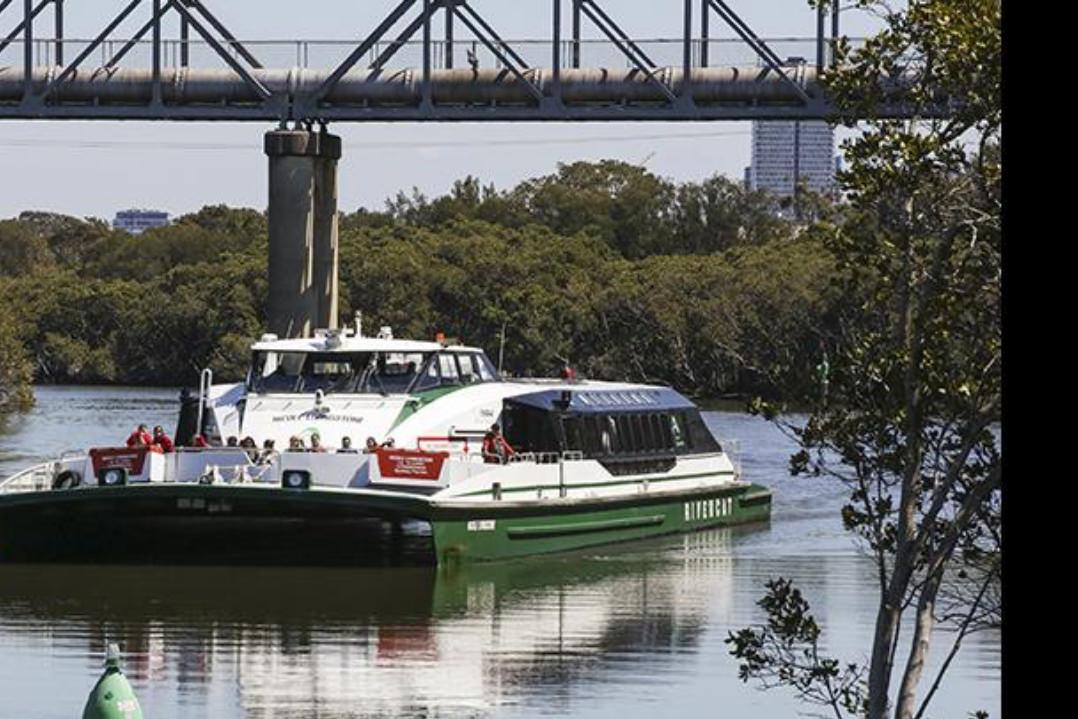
[664,427]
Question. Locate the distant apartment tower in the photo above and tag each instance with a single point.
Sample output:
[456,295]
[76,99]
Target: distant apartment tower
[135,221]
[783,150]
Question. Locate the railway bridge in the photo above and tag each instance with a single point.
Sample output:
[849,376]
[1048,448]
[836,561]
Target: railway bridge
[425,60]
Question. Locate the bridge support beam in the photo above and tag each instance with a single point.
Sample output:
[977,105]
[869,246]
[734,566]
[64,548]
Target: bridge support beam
[303,257]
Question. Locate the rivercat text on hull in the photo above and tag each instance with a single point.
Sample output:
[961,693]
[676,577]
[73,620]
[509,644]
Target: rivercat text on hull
[571,463]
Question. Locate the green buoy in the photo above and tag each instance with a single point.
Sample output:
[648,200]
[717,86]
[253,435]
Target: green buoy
[112,696]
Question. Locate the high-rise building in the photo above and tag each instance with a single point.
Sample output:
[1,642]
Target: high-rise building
[136,221]
[783,150]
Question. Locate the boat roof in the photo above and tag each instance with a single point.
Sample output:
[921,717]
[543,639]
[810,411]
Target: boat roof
[351,343]
[584,400]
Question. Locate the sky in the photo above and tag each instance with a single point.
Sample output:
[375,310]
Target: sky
[94,168]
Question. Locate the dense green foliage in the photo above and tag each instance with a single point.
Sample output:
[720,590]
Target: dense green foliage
[907,419]
[604,265]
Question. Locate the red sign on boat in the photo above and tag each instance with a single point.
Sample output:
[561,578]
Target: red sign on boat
[410,463]
[130,458]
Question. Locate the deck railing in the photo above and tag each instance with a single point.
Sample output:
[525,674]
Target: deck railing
[32,479]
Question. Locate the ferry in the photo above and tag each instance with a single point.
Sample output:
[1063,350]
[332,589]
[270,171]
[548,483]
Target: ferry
[586,463]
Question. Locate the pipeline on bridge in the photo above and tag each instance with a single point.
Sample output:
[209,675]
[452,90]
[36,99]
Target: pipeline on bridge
[366,94]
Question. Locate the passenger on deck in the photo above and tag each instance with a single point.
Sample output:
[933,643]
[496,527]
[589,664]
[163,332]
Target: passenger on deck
[197,440]
[495,449]
[232,441]
[250,447]
[346,446]
[316,443]
[295,444]
[372,446]
[140,437]
[162,440]
[268,453]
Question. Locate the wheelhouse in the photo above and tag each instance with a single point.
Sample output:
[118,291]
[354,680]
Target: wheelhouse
[381,372]
[363,366]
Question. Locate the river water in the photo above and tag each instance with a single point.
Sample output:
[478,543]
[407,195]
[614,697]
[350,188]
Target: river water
[632,630]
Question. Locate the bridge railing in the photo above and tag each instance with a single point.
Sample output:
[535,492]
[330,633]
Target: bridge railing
[323,54]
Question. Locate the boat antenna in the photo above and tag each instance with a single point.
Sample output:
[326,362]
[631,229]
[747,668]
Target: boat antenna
[501,349]
[359,323]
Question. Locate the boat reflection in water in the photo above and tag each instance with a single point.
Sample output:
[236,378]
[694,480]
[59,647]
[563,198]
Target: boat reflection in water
[274,642]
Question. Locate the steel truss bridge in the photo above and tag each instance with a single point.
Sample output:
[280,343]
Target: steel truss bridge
[402,71]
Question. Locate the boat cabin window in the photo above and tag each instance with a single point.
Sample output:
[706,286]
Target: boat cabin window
[381,372]
[455,368]
[448,366]
[623,429]
[363,372]
[395,371]
[276,371]
[637,433]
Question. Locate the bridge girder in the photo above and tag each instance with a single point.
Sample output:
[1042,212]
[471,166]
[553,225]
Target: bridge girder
[514,91]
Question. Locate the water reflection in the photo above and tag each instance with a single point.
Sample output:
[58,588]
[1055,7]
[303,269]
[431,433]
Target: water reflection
[273,641]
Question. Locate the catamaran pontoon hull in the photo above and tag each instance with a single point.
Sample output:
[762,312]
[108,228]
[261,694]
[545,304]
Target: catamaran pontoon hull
[214,524]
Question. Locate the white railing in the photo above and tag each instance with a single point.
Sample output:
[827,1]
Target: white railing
[32,479]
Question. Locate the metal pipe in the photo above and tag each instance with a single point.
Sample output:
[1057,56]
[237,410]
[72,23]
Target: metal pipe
[362,88]
[497,52]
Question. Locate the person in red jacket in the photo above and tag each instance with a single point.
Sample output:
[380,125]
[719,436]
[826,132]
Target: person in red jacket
[495,449]
[140,437]
[162,440]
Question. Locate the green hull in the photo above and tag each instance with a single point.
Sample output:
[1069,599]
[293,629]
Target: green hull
[492,531]
[194,522]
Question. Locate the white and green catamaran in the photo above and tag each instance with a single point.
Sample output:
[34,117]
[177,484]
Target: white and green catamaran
[591,462]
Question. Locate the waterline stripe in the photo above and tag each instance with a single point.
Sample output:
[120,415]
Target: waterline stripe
[599,525]
[638,480]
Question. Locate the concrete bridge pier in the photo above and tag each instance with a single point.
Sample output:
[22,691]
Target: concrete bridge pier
[303,258]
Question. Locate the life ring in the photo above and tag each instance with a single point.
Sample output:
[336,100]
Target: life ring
[68,479]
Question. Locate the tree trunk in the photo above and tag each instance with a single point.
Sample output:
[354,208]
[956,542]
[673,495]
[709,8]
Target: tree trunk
[915,665]
[879,674]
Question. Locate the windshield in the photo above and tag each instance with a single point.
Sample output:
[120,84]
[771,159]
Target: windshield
[381,372]
[364,372]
